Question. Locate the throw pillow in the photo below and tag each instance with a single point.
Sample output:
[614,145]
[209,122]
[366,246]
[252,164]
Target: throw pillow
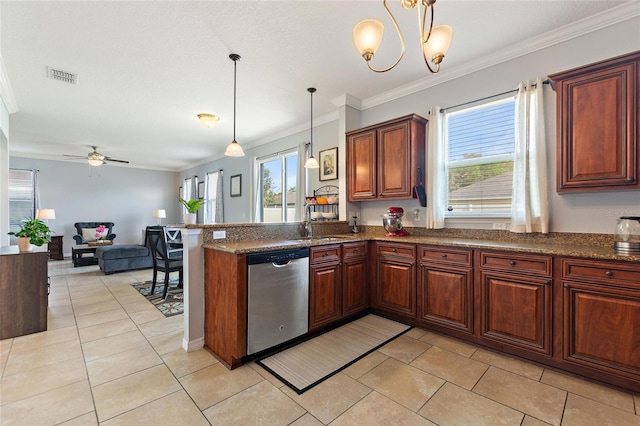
[89,234]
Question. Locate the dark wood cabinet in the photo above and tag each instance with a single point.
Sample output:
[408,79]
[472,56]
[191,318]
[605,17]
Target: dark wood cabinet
[445,288]
[598,126]
[601,316]
[395,290]
[383,160]
[515,300]
[23,293]
[55,248]
[354,278]
[325,286]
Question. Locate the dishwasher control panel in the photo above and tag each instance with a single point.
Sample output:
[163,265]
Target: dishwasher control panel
[277,256]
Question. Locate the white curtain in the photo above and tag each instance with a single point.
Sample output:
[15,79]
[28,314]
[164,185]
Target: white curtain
[302,183]
[257,187]
[219,213]
[530,201]
[437,178]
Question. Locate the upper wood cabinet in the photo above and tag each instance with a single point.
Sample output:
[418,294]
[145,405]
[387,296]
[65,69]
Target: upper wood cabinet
[383,159]
[598,126]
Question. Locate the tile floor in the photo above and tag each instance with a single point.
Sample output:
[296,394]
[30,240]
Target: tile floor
[110,358]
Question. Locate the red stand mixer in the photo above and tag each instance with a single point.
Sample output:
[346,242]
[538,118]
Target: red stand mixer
[392,221]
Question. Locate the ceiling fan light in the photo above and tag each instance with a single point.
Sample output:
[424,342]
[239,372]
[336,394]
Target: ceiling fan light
[95,162]
[234,150]
[438,44]
[208,120]
[367,36]
[311,163]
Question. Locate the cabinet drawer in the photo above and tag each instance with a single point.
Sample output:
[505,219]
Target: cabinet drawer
[397,250]
[601,272]
[439,255]
[324,254]
[511,262]
[353,250]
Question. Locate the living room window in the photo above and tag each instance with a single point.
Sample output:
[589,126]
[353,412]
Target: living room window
[277,180]
[480,147]
[22,197]
[210,195]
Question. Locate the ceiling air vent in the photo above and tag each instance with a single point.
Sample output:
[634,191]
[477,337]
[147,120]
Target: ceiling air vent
[60,75]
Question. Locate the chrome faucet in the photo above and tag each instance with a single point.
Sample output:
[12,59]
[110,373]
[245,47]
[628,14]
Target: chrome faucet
[308,229]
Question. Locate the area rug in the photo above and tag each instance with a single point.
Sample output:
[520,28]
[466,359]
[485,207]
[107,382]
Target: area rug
[303,366]
[172,305]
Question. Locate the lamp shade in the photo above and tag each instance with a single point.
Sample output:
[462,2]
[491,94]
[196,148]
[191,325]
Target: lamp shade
[438,43]
[311,163]
[234,150]
[160,213]
[45,214]
[367,36]
[95,162]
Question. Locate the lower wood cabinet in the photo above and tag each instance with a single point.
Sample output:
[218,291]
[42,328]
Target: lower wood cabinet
[515,300]
[325,286]
[445,288]
[601,316]
[396,270]
[354,278]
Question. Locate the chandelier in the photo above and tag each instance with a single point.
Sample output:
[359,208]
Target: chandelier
[367,36]
[311,162]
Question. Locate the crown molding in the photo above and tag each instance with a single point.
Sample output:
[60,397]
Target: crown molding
[579,28]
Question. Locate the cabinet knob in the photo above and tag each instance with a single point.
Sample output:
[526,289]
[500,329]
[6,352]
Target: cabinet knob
[444,255]
[394,250]
[326,253]
[609,273]
[355,250]
[512,263]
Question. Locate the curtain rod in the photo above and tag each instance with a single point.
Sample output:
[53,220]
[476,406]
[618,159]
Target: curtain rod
[489,97]
[277,154]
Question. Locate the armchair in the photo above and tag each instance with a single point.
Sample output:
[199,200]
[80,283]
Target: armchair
[92,225]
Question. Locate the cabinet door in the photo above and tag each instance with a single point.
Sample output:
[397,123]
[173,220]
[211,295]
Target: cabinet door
[602,327]
[597,126]
[354,285]
[361,166]
[396,286]
[516,311]
[394,176]
[324,294]
[446,297]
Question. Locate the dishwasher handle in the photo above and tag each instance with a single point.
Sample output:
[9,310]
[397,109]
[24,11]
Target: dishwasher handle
[281,264]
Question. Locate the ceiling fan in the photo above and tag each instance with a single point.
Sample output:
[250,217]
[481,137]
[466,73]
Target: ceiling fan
[96,159]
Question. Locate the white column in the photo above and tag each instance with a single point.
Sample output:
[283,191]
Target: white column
[193,260]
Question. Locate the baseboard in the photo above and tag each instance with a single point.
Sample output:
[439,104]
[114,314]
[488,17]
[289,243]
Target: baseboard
[193,345]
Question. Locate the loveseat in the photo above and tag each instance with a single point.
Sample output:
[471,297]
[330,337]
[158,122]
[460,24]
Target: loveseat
[125,257]
[89,231]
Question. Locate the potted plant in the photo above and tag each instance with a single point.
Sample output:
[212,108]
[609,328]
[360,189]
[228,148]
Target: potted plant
[192,207]
[32,232]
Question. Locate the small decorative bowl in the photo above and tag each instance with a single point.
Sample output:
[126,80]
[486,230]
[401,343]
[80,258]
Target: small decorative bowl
[311,200]
[316,215]
[332,200]
[328,215]
[321,200]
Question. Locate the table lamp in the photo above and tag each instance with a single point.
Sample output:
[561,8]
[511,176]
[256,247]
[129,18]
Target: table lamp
[45,214]
[160,214]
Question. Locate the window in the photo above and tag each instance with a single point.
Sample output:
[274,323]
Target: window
[278,175]
[21,197]
[480,148]
[210,195]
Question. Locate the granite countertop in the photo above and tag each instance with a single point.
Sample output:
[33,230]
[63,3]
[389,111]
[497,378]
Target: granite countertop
[569,250]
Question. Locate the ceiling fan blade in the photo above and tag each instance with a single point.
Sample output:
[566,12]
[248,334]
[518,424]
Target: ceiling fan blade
[114,160]
[71,157]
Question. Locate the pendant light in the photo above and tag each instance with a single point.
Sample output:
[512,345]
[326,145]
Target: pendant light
[311,162]
[234,149]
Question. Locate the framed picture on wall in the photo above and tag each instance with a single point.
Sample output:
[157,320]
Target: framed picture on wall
[329,164]
[200,190]
[179,192]
[236,185]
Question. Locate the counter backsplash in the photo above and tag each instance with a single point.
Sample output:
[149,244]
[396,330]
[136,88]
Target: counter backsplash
[287,231]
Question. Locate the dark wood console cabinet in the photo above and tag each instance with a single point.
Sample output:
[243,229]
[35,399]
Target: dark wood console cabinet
[23,293]
[598,126]
[55,248]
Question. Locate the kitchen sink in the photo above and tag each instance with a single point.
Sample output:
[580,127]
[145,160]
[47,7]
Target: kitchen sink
[318,239]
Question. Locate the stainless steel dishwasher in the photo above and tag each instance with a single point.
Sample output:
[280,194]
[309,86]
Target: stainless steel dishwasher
[277,297]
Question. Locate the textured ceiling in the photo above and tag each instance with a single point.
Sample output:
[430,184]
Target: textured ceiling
[147,68]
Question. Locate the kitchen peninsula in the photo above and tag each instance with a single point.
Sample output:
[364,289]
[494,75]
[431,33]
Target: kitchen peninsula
[564,300]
